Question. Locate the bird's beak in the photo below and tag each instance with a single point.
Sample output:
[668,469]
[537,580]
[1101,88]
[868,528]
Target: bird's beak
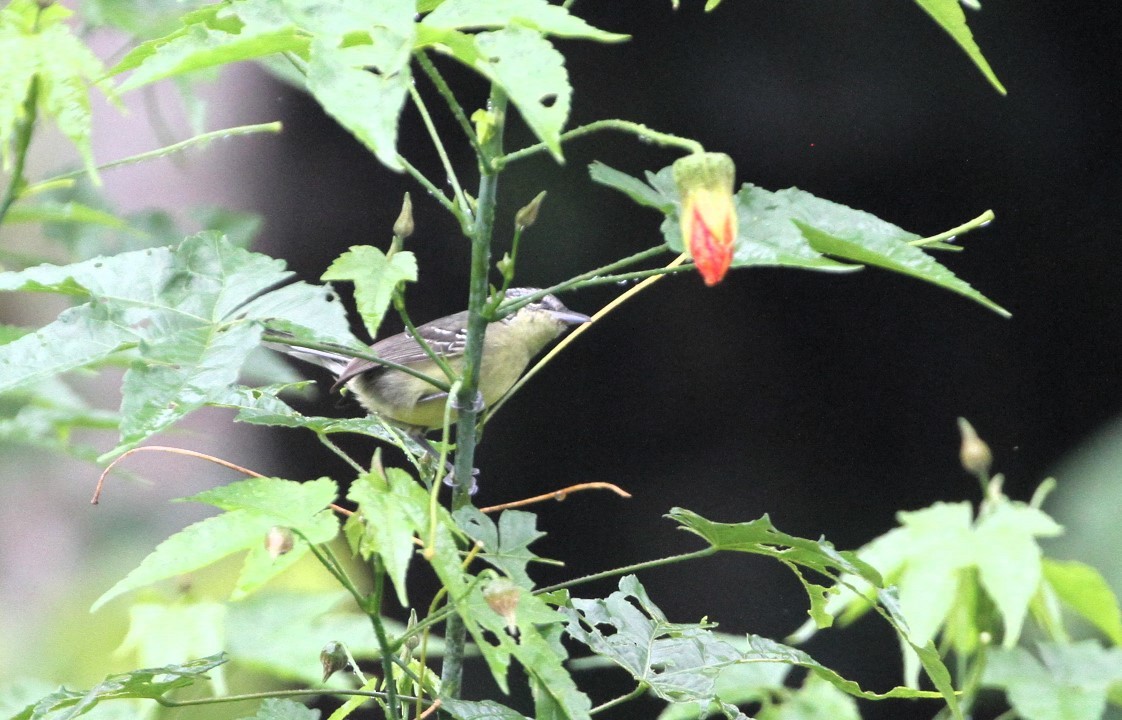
[569,317]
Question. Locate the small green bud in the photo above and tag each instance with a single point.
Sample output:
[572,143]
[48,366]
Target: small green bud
[403,227]
[333,658]
[528,214]
[505,268]
[973,453]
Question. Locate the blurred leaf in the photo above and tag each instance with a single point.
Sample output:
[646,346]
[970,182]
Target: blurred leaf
[70,212]
[738,684]
[949,15]
[40,50]
[633,187]
[211,36]
[1083,589]
[280,709]
[148,683]
[375,277]
[161,631]
[506,545]
[815,700]
[253,506]
[479,710]
[540,15]
[1008,559]
[1068,682]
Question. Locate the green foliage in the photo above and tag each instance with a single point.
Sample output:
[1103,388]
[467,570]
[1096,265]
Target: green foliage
[47,72]
[376,276]
[949,15]
[278,709]
[1066,682]
[1083,589]
[149,683]
[189,317]
[792,228]
[252,507]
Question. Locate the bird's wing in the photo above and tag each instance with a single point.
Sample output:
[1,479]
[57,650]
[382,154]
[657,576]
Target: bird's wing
[446,336]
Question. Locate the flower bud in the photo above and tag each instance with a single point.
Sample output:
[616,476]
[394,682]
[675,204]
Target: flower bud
[333,658]
[974,453]
[708,218]
[528,214]
[403,227]
[502,596]
[278,541]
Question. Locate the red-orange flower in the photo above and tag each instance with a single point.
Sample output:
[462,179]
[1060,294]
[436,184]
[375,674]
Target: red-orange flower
[708,218]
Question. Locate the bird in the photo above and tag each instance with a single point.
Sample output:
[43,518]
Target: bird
[416,405]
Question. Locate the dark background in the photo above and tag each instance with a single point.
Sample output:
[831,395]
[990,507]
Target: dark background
[827,401]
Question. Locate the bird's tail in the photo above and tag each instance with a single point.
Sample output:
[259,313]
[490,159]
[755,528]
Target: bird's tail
[335,362]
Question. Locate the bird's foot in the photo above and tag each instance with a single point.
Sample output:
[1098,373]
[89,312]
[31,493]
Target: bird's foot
[450,479]
[477,403]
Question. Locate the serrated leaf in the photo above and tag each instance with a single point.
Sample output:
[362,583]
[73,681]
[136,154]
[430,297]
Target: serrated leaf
[540,15]
[1083,589]
[47,53]
[367,104]
[253,507]
[375,277]
[1068,682]
[532,74]
[1009,560]
[505,545]
[385,522]
[148,683]
[281,709]
[680,662]
[949,15]
[213,36]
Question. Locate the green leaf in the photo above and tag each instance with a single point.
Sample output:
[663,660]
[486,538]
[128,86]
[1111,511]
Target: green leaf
[280,709]
[160,631]
[253,507]
[44,415]
[1009,560]
[633,187]
[213,36]
[891,254]
[1083,589]
[532,73]
[193,315]
[385,523]
[365,103]
[680,662]
[506,545]
[1068,682]
[949,15]
[149,683]
[815,700]
[735,685]
[38,47]
[281,632]
[375,277]
[479,710]
[537,14]
[69,212]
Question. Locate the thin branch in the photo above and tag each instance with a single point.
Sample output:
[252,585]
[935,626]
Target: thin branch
[17,185]
[981,221]
[639,130]
[273,127]
[163,448]
[450,98]
[327,442]
[457,190]
[705,552]
[639,690]
[557,495]
[433,191]
[167,702]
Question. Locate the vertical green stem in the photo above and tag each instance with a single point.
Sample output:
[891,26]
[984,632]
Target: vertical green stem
[23,141]
[482,230]
[375,611]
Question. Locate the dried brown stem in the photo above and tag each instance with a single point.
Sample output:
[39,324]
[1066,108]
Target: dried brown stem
[558,495]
